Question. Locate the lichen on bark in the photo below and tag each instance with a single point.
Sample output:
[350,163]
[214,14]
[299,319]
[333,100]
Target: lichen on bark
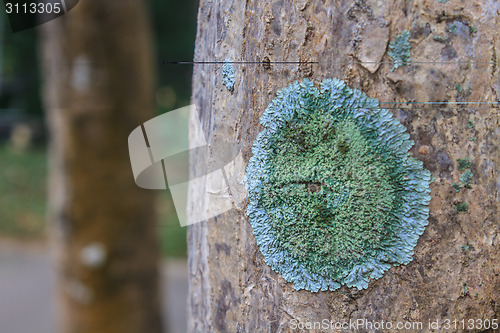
[335,198]
[228,74]
[400,50]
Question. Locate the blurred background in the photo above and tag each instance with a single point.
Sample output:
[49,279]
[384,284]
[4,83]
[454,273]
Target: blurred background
[26,275]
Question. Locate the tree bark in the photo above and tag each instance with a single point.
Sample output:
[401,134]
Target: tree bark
[454,48]
[97,62]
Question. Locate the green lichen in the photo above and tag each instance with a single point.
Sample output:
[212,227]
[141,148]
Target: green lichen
[456,186]
[334,196]
[443,1]
[228,74]
[452,28]
[461,207]
[473,29]
[400,50]
[470,124]
[466,178]
[439,39]
[463,163]
[458,88]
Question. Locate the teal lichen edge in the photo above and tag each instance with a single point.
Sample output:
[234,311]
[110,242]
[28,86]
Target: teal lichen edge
[391,136]
[228,73]
[466,178]
[400,50]
[463,163]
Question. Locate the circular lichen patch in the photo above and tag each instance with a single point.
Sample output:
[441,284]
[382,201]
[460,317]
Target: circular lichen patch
[334,197]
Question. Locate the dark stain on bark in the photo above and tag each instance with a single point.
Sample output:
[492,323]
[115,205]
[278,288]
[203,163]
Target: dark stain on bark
[423,137]
[448,52]
[276,26]
[223,247]
[306,67]
[224,302]
[274,322]
[421,31]
[406,117]
[266,63]
[221,29]
[309,34]
[425,134]
[445,165]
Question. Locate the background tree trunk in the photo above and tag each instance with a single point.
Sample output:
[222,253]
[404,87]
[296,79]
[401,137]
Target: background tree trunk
[97,63]
[454,273]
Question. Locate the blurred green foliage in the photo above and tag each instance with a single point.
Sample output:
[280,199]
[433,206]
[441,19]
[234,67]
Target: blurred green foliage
[172,235]
[19,75]
[22,192]
[174,29]
[23,175]
[23,182]
[174,26]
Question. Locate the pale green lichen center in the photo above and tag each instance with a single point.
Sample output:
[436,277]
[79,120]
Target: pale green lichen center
[331,198]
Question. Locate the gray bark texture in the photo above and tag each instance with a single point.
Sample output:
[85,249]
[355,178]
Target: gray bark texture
[454,50]
[97,62]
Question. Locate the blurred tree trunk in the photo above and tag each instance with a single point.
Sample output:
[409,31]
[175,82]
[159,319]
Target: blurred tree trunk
[97,62]
[454,274]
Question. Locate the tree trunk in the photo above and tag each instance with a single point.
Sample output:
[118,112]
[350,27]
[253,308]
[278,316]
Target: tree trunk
[97,62]
[454,272]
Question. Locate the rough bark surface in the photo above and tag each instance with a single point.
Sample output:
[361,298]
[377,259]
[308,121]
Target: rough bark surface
[98,87]
[455,271]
